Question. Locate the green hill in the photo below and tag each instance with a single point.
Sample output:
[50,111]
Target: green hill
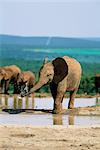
[51,42]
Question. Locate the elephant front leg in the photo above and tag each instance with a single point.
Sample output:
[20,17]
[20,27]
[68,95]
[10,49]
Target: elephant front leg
[71,100]
[16,88]
[58,103]
[6,87]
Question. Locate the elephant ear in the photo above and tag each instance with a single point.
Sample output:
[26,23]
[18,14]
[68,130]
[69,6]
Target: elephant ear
[60,69]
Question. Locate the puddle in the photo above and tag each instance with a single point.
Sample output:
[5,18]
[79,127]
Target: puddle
[45,119]
[21,119]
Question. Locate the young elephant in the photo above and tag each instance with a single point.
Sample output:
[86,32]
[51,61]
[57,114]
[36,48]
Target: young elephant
[8,74]
[25,81]
[63,74]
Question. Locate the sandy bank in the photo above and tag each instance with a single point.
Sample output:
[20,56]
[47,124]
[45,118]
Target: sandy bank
[50,137]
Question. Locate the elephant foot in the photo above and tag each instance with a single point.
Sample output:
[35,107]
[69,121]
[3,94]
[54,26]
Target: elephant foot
[70,106]
[57,111]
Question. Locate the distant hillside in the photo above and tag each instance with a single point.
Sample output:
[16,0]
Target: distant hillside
[50,42]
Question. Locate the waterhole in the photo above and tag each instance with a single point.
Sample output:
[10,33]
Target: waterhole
[46,104]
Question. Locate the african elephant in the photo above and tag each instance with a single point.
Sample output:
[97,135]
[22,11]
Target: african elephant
[26,80]
[63,74]
[97,83]
[9,74]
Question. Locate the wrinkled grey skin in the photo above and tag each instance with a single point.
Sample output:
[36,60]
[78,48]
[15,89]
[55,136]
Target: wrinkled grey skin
[25,81]
[63,74]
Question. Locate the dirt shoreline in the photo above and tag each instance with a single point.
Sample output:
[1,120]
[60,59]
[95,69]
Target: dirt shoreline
[84,111]
[18,137]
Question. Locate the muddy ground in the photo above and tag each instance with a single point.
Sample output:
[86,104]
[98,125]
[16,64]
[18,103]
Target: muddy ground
[49,138]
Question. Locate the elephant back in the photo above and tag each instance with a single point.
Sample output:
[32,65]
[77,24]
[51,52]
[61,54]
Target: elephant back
[28,76]
[12,71]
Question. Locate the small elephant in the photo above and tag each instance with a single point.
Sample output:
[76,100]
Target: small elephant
[63,74]
[26,81]
[97,83]
[8,74]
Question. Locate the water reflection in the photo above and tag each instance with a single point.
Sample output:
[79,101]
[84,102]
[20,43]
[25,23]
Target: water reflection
[97,101]
[71,120]
[42,103]
[14,102]
[6,100]
[58,119]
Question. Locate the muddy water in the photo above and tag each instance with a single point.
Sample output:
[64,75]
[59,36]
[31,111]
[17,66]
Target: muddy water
[45,119]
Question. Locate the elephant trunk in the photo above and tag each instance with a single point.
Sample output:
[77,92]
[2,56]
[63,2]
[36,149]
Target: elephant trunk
[35,88]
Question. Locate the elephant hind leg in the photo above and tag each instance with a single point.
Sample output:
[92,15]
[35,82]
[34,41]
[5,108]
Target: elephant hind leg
[6,87]
[71,100]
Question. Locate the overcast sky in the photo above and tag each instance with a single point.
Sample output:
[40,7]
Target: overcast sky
[65,18]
